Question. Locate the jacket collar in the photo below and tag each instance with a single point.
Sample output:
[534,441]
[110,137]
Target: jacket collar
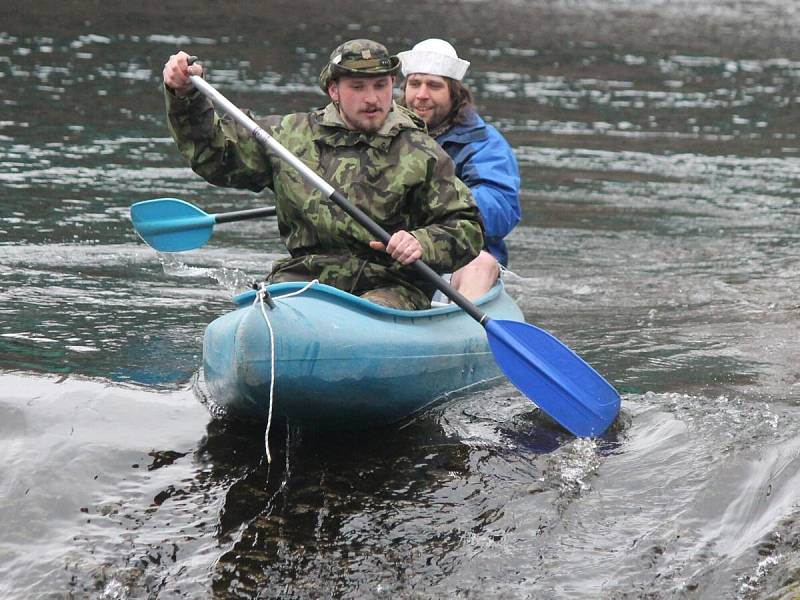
[471,131]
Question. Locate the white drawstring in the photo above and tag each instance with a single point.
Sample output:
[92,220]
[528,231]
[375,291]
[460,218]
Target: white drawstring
[262,291]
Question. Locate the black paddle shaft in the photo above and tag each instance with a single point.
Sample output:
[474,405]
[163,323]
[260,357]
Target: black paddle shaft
[242,215]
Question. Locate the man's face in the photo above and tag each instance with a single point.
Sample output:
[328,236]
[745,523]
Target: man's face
[429,97]
[364,102]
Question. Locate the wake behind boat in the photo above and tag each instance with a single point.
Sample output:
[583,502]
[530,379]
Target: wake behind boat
[316,353]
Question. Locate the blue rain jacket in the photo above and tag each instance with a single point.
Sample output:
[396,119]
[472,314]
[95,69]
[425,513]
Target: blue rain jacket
[486,163]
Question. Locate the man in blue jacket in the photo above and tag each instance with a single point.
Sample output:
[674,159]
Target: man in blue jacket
[484,159]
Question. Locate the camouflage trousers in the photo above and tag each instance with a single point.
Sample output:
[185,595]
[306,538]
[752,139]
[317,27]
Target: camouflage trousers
[372,281]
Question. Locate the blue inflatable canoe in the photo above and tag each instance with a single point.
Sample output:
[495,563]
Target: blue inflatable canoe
[341,360]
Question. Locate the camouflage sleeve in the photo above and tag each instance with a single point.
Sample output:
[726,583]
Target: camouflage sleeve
[219,150]
[452,231]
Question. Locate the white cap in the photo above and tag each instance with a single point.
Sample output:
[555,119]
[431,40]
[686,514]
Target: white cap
[434,57]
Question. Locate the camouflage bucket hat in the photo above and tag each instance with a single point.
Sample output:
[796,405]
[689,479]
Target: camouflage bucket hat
[358,57]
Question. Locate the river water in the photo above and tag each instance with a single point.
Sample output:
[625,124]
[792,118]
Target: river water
[660,160]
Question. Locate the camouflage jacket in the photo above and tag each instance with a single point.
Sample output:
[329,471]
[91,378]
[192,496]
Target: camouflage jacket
[399,176]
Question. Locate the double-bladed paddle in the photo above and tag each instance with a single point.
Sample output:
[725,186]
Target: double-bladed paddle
[551,375]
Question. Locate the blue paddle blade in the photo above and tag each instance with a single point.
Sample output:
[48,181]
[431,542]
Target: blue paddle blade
[171,225]
[556,379]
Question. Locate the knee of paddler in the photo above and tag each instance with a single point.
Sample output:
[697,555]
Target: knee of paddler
[390,297]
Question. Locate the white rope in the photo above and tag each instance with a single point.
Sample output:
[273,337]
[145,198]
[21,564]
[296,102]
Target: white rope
[260,300]
[262,290]
[298,292]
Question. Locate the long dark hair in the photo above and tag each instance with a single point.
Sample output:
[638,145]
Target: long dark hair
[463,104]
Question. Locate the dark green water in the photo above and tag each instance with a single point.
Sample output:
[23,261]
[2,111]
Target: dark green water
[660,163]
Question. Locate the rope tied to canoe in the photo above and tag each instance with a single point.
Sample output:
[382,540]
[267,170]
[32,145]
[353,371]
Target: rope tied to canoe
[262,298]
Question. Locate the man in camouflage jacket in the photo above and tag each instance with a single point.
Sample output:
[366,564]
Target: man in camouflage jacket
[373,151]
